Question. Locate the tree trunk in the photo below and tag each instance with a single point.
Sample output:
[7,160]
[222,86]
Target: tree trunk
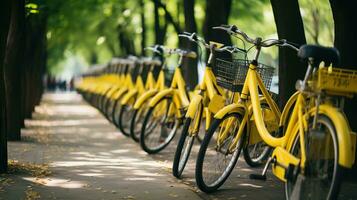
[217,13]
[159,32]
[190,65]
[14,61]
[35,59]
[168,16]
[5,11]
[289,26]
[143,27]
[345,16]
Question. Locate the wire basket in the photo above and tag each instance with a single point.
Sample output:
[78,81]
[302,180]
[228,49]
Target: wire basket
[231,74]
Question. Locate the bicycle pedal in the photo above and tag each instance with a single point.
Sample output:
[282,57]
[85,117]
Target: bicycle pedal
[258,177]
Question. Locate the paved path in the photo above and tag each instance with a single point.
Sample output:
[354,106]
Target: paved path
[69,151]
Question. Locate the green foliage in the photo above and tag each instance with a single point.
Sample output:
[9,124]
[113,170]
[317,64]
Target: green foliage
[87,31]
[318,21]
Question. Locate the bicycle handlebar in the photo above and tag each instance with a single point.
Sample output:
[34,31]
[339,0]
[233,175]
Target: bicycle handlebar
[194,38]
[231,49]
[234,30]
[184,53]
[155,48]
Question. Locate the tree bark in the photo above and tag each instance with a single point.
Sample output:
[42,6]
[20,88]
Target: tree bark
[36,26]
[289,26]
[143,27]
[159,32]
[5,13]
[168,16]
[345,16]
[14,61]
[190,65]
[217,13]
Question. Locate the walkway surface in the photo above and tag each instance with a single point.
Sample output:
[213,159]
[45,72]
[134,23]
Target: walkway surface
[70,151]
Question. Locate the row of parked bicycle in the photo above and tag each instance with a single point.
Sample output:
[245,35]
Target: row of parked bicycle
[308,144]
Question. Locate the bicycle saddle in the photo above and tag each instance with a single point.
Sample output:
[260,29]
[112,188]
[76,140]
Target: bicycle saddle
[319,53]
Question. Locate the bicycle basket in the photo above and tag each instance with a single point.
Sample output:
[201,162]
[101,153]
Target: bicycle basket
[231,74]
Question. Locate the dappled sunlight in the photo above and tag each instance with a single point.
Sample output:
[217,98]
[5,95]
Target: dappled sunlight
[140,172]
[95,161]
[57,182]
[140,179]
[78,122]
[95,174]
[119,151]
[246,170]
[77,163]
[66,110]
[68,130]
[250,185]
[119,167]
[62,97]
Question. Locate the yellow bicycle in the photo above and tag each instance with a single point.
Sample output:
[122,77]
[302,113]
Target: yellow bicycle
[140,106]
[132,80]
[166,110]
[211,97]
[316,143]
[127,110]
[119,68]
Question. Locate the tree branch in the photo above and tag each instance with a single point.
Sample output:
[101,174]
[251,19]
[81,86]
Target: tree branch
[168,16]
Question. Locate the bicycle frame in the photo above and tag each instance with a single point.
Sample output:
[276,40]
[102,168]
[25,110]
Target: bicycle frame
[297,124]
[211,89]
[139,87]
[159,86]
[177,91]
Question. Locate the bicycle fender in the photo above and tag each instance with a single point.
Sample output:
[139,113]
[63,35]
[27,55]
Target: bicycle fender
[344,134]
[229,109]
[117,95]
[128,96]
[193,106]
[144,97]
[160,95]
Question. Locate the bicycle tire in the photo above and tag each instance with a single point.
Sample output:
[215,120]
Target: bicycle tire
[116,112]
[144,133]
[182,154]
[124,121]
[177,169]
[337,172]
[202,185]
[134,129]
[261,157]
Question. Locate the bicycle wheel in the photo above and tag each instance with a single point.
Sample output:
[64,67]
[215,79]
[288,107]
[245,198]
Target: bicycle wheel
[101,99]
[214,162]
[109,109]
[106,106]
[159,127]
[137,122]
[187,139]
[125,116]
[322,176]
[116,112]
[256,155]
[201,135]
[104,103]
